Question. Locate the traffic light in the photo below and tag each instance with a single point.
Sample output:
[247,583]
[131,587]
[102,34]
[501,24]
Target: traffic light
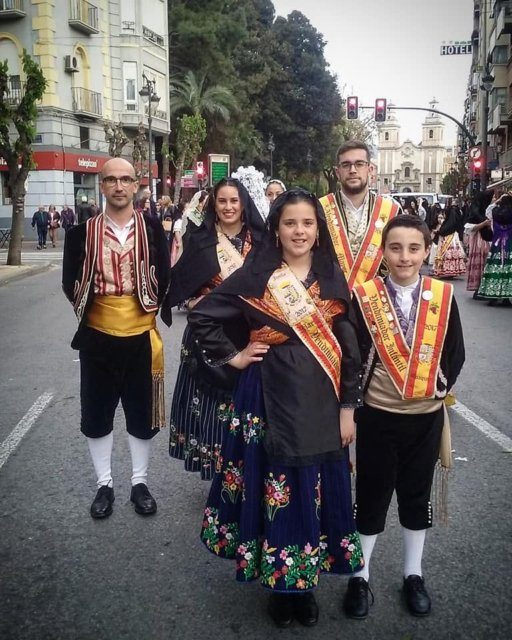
[380,109]
[352,108]
[168,180]
[200,170]
[477,168]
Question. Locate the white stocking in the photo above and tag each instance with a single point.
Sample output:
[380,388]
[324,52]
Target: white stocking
[413,551]
[367,544]
[101,453]
[140,450]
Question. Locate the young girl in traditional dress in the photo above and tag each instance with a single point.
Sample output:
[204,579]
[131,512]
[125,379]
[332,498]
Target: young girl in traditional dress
[280,502]
[218,246]
[496,283]
[450,259]
[478,232]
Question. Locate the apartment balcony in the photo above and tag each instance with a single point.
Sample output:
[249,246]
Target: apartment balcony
[87,103]
[504,22]
[498,118]
[132,117]
[15,91]
[10,9]
[83,16]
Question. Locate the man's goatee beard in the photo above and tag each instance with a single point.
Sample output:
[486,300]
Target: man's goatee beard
[354,191]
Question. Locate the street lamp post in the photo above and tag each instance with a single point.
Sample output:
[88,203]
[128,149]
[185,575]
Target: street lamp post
[149,97]
[271,147]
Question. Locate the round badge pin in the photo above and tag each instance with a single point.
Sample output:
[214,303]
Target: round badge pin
[427,295]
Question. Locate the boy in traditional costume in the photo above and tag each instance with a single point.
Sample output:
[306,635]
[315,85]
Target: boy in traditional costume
[412,350]
[115,273]
[280,502]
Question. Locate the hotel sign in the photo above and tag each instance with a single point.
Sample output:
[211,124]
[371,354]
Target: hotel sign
[456,48]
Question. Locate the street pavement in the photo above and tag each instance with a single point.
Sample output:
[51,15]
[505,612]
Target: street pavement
[65,576]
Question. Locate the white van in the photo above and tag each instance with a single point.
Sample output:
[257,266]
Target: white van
[431,198]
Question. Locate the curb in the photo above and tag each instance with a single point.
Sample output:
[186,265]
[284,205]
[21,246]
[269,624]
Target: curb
[10,274]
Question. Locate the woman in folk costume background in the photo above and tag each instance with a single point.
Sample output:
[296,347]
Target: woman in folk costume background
[280,502]
[479,233]
[450,259]
[231,226]
[496,283]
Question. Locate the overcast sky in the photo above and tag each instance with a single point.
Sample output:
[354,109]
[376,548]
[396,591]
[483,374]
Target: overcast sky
[391,49]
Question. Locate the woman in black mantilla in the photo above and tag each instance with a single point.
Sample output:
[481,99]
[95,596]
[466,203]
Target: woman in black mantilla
[231,226]
[280,502]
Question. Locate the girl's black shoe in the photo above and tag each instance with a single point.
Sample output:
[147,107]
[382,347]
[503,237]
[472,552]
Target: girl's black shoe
[280,609]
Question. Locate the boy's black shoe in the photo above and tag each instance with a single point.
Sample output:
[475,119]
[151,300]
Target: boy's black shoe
[416,596]
[101,506]
[143,501]
[355,603]
[280,609]
[305,609]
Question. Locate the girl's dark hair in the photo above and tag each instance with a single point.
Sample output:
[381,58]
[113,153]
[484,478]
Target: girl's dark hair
[410,222]
[292,196]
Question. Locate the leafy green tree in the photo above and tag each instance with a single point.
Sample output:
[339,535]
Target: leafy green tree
[456,180]
[189,140]
[16,148]
[302,104]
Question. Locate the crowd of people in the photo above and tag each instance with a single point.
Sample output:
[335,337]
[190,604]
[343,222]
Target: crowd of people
[471,238]
[309,321]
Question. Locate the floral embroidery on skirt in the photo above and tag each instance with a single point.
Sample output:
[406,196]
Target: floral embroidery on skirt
[284,525]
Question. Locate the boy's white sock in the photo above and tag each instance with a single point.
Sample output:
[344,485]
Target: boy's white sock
[413,551]
[367,544]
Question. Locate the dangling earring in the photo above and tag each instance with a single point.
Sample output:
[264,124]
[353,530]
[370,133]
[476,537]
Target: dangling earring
[318,238]
[277,240]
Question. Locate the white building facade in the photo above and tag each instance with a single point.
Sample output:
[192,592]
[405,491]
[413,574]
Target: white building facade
[406,166]
[93,56]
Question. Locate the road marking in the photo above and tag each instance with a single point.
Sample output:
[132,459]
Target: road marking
[482,425]
[9,445]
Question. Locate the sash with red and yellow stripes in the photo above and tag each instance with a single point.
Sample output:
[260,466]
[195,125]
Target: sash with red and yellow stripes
[413,370]
[365,264]
[297,308]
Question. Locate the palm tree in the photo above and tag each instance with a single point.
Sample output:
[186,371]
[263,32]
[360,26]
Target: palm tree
[191,95]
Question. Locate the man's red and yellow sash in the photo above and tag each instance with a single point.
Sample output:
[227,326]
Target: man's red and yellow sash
[413,370]
[365,265]
[296,307]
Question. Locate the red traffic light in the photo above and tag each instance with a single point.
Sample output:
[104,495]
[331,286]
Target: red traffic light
[199,169]
[477,165]
[168,181]
[352,108]
[380,109]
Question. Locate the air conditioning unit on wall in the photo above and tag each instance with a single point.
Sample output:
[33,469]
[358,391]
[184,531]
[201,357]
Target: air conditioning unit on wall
[71,64]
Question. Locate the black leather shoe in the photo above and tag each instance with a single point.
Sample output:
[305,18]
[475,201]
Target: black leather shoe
[143,501]
[416,596]
[102,503]
[355,603]
[280,609]
[305,609]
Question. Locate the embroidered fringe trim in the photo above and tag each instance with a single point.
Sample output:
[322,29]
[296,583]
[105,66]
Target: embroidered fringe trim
[440,493]
[158,407]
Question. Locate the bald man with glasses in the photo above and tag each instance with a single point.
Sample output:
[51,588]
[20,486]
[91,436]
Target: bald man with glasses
[115,274]
[355,215]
